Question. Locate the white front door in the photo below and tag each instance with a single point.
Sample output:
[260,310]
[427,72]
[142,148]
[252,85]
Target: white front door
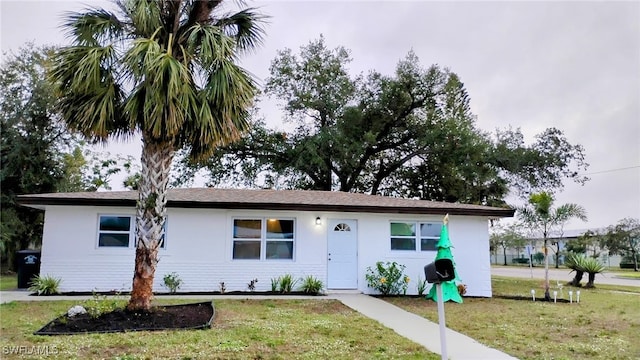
[342,257]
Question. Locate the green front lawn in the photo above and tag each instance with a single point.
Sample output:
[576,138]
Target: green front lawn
[630,274]
[243,329]
[8,282]
[604,325]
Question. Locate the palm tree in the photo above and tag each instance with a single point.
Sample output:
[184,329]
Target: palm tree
[541,217]
[165,69]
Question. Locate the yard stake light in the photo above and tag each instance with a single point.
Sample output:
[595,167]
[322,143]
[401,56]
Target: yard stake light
[555,296]
[533,294]
[578,296]
[570,297]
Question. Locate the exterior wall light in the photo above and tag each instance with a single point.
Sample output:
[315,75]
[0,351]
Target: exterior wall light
[318,221]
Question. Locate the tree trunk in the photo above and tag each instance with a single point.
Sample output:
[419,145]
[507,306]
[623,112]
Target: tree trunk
[504,253]
[557,255]
[576,279]
[592,278]
[150,217]
[547,296]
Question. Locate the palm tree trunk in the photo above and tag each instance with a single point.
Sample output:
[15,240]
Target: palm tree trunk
[150,218]
[576,279]
[592,278]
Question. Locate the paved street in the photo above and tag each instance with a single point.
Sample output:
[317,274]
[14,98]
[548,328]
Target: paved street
[562,275]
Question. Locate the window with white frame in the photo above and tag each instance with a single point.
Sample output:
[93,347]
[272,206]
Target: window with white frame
[119,231]
[263,239]
[115,230]
[414,235]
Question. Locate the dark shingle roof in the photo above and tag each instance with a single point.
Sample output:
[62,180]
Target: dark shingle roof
[305,200]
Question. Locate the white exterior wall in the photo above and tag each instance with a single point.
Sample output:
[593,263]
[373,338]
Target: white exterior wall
[199,250]
[469,237]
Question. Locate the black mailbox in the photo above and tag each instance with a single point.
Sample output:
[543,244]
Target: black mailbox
[439,271]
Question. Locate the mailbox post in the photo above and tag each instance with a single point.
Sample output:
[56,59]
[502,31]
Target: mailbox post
[437,272]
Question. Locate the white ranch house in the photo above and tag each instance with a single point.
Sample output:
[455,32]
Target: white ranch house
[234,236]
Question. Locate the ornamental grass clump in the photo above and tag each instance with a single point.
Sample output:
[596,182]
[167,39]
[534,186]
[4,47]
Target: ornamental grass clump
[311,285]
[286,283]
[422,286]
[388,278]
[45,285]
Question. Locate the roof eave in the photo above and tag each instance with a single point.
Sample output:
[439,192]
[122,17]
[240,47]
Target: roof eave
[40,203]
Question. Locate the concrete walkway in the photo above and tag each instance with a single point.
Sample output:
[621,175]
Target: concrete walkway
[419,329]
[409,325]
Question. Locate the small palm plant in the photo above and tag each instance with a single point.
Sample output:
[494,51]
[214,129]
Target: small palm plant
[573,262]
[582,264]
[592,267]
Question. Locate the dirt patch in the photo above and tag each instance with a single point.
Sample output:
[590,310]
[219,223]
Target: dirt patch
[184,316]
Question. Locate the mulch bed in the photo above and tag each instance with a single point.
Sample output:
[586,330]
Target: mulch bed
[170,317]
[203,293]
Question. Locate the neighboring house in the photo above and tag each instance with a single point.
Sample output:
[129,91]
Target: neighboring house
[234,236]
[556,240]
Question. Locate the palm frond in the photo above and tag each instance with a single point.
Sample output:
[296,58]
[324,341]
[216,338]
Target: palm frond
[568,211]
[245,27]
[208,44]
[94,27]
[224,114]
[142,52]
[85,79]
[145,17]
[164,94]
[579,262]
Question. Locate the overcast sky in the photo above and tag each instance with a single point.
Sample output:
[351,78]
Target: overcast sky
[532,65]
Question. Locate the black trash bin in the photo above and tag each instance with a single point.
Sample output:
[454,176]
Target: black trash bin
[28,266]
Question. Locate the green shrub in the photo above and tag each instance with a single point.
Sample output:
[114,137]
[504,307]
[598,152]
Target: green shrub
[387,278]
[311,285]
[45,285]
[286,283]
[172,282]
[102,304]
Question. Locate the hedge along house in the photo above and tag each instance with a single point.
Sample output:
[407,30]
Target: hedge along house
[235,236]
